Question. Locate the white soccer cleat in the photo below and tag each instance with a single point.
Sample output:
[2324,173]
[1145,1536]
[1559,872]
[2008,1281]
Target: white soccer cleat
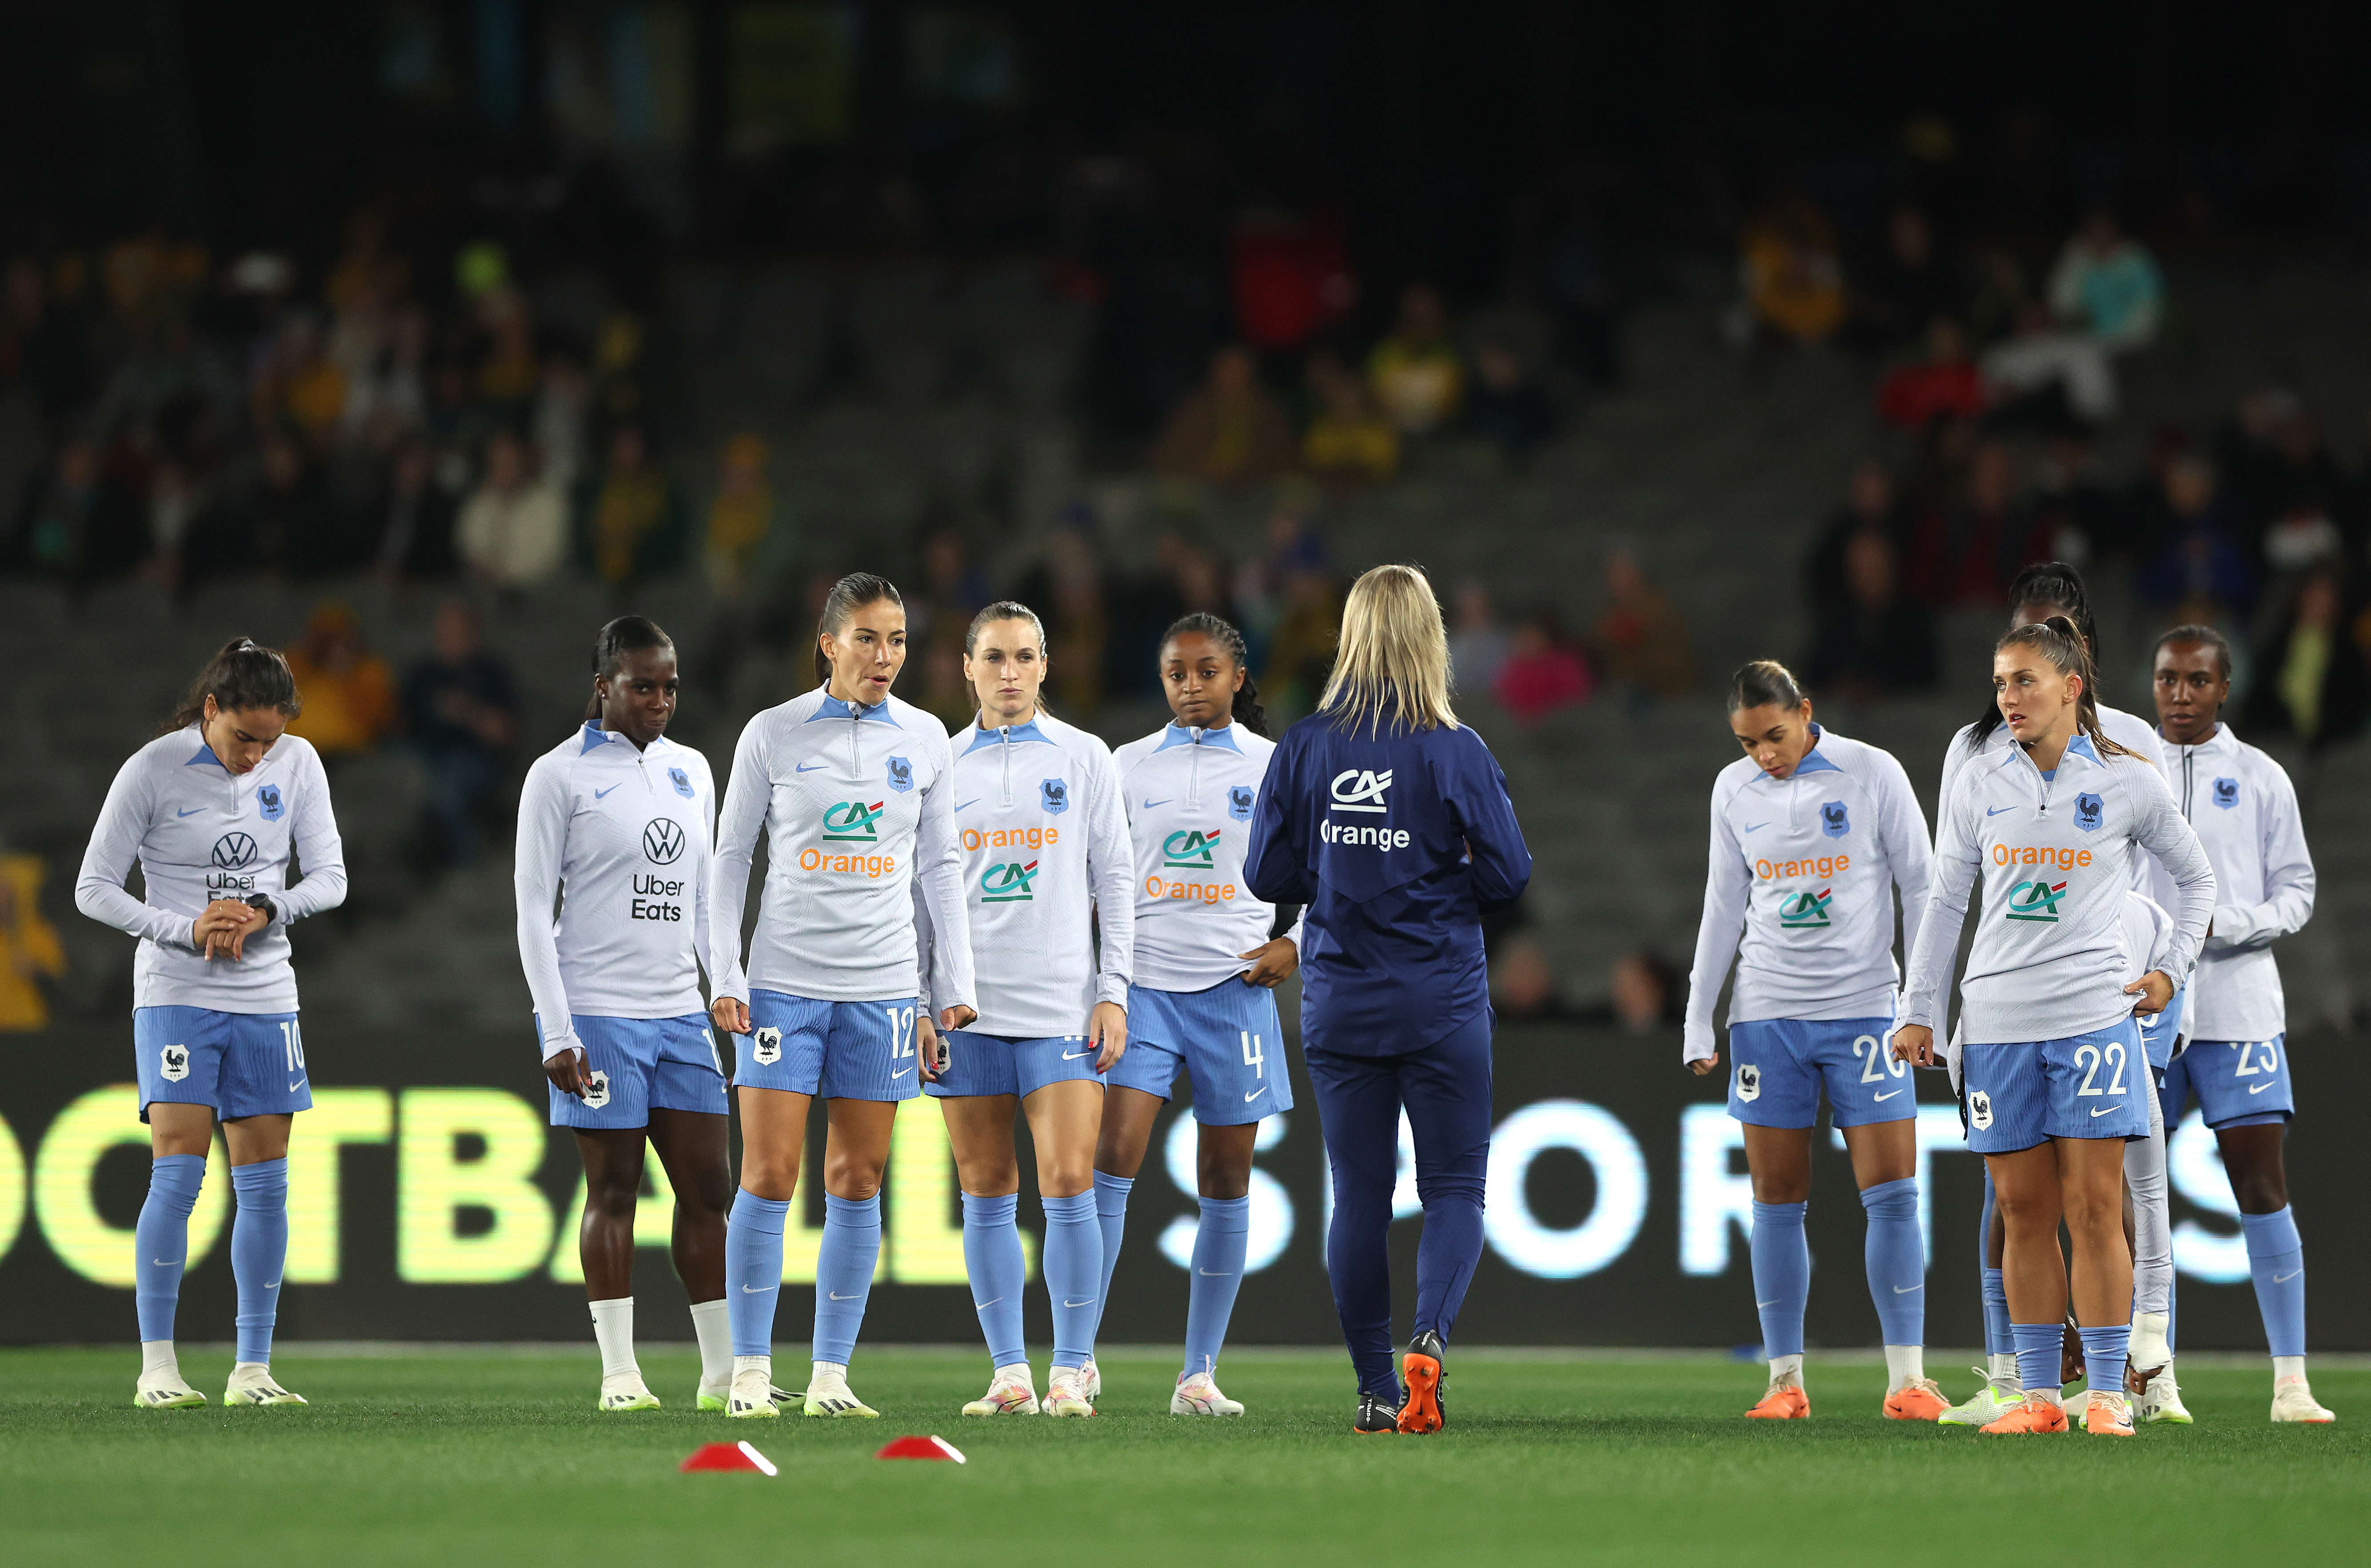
[1197,1394]
[1011,1391]
[627,1392]
[165,1390]
[748,1398]
[251,1384]
[713,1395]
[1063,1395]
[1091,1381]
[829,1396]
[2159,1399]
[1988,1404]
[2293,1401]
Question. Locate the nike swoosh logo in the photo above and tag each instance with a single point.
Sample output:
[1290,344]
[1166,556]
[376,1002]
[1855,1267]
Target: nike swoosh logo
[755,1290]
[163,1264]
[1216,1273]
[2099,1110]
[1906,1289]
[192,811]
[986,1304]
[835,1296]
[901,1073]
[1149,804]
[273,1285]
[1074,1055]
[1766,1304]
[1066,1301]
[1757,827]
[1996,810]
[599,793]
[2257,1088]
[2283,1279]
[809,767]
[968,804]
[1251,1095]
[1888,1094]
[297,1085]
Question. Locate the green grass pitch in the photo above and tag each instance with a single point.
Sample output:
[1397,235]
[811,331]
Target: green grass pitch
[488,1456]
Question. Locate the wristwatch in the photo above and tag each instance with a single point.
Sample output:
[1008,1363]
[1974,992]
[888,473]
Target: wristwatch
[262,902]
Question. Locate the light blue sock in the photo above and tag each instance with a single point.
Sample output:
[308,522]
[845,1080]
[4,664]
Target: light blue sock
[1219,1246]
[2106,1352]
[851,1245]
[992,1261]
[753,1270]
[1997,1339]
[1782,1276]
[2038,1345]
[259,1252]
[1111,1219]
[1895,1256]
[1074,1270]
[2276,1258]
[162,1237]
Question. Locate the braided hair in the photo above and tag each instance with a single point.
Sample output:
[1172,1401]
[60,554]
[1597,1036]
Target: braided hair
[241,676]
[1247,709]
[614,641]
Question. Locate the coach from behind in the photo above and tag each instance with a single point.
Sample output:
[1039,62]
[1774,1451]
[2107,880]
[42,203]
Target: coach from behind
[1390,822]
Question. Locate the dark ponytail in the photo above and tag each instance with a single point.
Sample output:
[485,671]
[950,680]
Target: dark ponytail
[1764,682]
[1247,709]
[2060,641]
[243,676]
[613,642]
[847,596]
[2053,584]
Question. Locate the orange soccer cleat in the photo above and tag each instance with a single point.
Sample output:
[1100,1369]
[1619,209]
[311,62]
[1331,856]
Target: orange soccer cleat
[1921,1400]
[2039,1414]
[2107,1414]
[1785,1401]
[1420,1370]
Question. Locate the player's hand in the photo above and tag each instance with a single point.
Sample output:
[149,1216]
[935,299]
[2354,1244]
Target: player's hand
[730,1014]
[958,1017]
[930,1048]
[1915,1044]
[1107,1029]
[2154,990]
[566,1072]
[213,922]
[1706,1065]
[1273,963]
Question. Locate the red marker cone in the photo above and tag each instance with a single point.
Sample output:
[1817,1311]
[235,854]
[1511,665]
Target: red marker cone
[727,1457]
[922,1448]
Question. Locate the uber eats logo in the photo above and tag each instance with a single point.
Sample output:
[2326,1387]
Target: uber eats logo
[851,822]
[1189,849]
[1801,911]
[2035,901]
[1007,884]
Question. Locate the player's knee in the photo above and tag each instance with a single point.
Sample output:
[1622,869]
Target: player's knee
[772,1178]
[2260,1191]
[1065,1175]
[1449,1187]
[853,1180]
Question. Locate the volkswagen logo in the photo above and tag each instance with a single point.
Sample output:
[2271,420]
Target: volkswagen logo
[663,841]
[233,852]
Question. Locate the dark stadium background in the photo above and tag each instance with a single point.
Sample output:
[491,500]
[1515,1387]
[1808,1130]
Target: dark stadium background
[959,270]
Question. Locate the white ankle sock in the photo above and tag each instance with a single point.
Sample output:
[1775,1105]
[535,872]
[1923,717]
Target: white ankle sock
[753,1364]
[2003,1370]
[1787,1369]
[828,1374]
[2287,1367]
[613,1331]
[2149,1350]
[157,1361]
[1904,1364]
[715,1333]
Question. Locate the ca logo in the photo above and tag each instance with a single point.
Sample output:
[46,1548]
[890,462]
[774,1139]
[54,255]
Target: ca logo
[1749,1082]
[1979,1110]
[1188,849]
[1358,789]
[768,1049]
[851,822]
[1007,884]
[663,841]
[173,1063]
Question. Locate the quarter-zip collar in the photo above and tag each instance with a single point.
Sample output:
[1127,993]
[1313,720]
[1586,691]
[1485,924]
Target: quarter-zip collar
[1003,737]
[2047,789]
[1178,735]
[2185,781]
[833,708]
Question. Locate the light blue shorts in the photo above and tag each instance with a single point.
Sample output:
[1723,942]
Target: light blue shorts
[997,1063]
[839,1050]
[2086,1086]
[2239,1083]
[638,1065]
[1227,1040]
[2157,1029]
[241,1064]
[1779,1066]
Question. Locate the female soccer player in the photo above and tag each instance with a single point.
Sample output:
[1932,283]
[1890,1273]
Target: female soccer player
[2245,812]
[850,787]
[2043,589]
[1812,835]
[213,809]
[1390,821]
[2052,1057]
[616,821]
[1045,861]
[1207,959]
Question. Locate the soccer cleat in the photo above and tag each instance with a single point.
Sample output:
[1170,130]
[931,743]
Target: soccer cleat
[1786,1401]
[1428,1385]
[1987,1406]
[1921,1400]
[628,1392]
[1091,1381]
[2033,1414]
[1197,1394]
[2107,1416]
[1011,1391]
[2293,1401]
[2159,1399]
[1063,1395]
[713,1395]
[1379,1416]
[165,1394]
[748,1399]
[251,1384]
[830,1398]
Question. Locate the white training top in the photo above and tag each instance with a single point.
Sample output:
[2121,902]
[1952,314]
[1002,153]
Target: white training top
[2129,730]
[201,832]
[855,803]
[1045,869]
[1808,866]
[626,834]
[1190,794]
[2050,956]
[2244,809]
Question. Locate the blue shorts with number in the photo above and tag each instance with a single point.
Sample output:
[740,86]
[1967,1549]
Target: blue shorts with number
[1227,1040]
[2239,1083]
[839,1050]
[241,1064]
[2157,1029]
[2086,1086]
[1780,1064]
[639,1064]
[999,1063]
